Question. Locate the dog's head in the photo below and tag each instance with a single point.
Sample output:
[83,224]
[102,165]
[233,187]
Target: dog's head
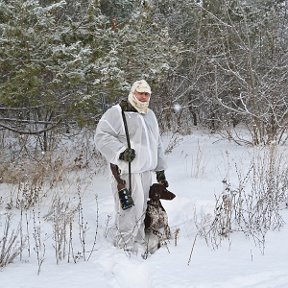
[159,191]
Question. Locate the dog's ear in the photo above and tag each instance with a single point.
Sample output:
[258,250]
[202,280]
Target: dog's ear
[159,191]
[153,192]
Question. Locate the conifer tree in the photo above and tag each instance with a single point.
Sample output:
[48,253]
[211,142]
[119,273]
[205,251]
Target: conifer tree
[39,73]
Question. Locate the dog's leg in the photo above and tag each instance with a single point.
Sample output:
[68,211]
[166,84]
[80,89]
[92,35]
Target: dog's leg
[153,243]
[167,231]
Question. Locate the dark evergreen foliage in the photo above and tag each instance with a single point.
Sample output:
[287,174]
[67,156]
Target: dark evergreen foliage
[222,62]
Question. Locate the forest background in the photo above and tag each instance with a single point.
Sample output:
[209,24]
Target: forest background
[217,64]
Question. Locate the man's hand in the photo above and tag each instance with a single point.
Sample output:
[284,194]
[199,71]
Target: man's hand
[160,176]
[121,184]
[128,155]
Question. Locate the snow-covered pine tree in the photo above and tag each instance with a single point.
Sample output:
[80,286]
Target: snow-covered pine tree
[58,66]
[40,74]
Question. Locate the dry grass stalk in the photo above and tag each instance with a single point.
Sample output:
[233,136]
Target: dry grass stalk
[11,245]
[254,206]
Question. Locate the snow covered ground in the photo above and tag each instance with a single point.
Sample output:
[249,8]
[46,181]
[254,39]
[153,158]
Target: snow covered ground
[197,166]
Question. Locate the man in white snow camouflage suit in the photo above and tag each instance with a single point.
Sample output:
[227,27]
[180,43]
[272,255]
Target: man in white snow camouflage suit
[145,155]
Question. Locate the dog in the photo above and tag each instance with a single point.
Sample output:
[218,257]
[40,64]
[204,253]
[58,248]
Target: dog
[156,220]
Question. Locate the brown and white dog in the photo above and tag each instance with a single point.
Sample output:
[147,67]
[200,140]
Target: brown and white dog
[156,220]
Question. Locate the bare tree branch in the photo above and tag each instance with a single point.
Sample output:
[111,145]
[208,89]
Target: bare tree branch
[30,132]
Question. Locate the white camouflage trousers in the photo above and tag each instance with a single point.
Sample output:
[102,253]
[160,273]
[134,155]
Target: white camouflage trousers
[130,223]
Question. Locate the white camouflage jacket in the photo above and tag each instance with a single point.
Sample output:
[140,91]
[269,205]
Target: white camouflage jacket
[110,140]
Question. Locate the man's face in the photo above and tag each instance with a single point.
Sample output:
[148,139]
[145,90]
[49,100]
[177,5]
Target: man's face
[142,96]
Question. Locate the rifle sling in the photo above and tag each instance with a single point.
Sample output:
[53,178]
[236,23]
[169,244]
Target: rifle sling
[128,144]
